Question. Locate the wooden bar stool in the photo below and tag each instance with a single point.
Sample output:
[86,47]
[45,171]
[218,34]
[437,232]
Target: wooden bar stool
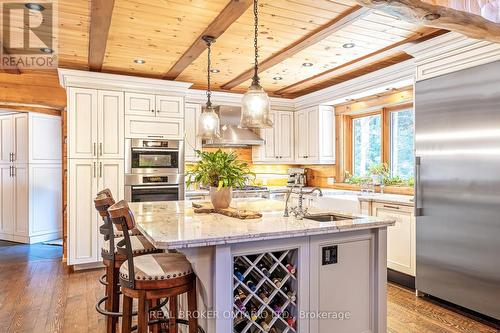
[151,277]
[113,260]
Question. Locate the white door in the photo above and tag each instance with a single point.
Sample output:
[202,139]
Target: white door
[21,185]
[401,237]
[111,138]
[192,143]
[301,135]
[169,106]
[140,104]
[284,143]
[20,136]
[82,119]
[6,141]
[111,175]
[313,135]
[7,212]
[82,216]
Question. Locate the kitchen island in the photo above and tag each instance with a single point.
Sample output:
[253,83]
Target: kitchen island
[276,273]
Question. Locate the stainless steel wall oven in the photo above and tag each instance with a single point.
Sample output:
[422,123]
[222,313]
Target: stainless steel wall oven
[154,170]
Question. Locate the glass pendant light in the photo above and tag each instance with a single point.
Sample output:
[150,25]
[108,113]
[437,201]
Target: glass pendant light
[255,103]
[208,123]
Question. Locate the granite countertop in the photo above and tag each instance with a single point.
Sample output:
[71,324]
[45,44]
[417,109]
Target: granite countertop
[174,225]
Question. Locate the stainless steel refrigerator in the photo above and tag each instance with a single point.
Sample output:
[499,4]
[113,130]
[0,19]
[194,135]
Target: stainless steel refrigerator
[457,187]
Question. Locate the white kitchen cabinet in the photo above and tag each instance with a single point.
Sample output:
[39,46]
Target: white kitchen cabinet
[192,143]
[7,217]
[14,138]
[401,238]
[110,124]
[150,105]
[86,178]
[28,140]
[96,126]
[140,104]
[279,144]
[159,128]
[169,106]
[315,135]
[82,123]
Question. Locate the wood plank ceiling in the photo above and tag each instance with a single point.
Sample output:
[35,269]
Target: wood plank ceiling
[107,36]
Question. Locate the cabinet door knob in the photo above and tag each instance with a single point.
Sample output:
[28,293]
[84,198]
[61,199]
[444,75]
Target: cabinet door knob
[153,111]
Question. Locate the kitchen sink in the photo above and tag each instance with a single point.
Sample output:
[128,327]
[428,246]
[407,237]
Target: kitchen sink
[327,217]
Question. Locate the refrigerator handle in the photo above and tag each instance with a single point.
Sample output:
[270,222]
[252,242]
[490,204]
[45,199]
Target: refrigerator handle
[418,200]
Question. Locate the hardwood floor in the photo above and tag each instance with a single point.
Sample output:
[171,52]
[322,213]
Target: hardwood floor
[39,294]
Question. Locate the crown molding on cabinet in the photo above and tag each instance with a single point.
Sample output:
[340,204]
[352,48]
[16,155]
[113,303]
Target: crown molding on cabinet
[233,99]
[450,53]
[96,80]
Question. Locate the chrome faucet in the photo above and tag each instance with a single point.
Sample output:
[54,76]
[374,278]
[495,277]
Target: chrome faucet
[285,213]
[299,212]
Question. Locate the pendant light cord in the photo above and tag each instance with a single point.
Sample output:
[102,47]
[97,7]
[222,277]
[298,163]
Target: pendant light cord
[209,65]
[255,79]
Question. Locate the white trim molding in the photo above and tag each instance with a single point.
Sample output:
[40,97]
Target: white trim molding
[395,76]
[97,80]
[233,99]
[450,53]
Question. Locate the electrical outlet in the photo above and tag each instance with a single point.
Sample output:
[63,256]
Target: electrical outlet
[330,180]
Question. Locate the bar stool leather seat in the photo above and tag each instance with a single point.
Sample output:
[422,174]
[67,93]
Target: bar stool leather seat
[158,266]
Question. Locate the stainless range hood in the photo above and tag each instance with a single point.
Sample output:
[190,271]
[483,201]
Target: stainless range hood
[230,134]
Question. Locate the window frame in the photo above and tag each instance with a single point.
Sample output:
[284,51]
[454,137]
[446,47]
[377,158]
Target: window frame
[348,137]
[369,114]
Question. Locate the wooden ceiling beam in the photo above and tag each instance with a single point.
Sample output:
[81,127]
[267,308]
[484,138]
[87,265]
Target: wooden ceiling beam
[318,81]
[233,10]
[344,19]
[9,70]
[101,12]
[432,15]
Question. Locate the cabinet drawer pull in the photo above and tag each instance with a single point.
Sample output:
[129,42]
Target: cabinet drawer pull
[94,151]
[391,207]
[10,170]
[13,157]
[100,169]
[100,149]
[94,169]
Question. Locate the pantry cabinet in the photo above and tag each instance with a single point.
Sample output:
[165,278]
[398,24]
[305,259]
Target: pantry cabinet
[279,140]
[95,121]
[86,178]
[315,135]
[192,142]
[30,142]
[401,238]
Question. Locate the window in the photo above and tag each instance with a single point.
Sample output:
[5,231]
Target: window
[402,134]
[382,136]
[367,143]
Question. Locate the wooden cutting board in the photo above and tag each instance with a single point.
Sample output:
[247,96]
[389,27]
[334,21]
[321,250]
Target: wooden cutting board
[206,207]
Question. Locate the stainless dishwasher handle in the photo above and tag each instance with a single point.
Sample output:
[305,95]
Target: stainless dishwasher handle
[418,190]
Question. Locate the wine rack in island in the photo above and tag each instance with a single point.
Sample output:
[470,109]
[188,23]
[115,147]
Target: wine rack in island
[265,292]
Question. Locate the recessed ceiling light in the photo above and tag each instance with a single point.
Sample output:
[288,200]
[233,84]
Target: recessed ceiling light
[432,16]
[215,70]
[34,6]
[140,61]
[307,64]
[277,78]
[348,45]
[47,50]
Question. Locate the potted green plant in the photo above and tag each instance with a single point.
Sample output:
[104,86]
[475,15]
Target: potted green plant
[379,172]
[222,172]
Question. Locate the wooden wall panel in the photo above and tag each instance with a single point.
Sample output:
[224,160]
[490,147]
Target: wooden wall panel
[33,87]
